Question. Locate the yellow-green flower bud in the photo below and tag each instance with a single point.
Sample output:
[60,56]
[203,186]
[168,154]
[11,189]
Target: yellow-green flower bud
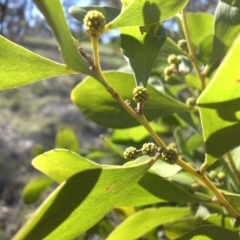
[221,175]
[191,102]
[140,94]
[173,59]
[169,155]
[212,174]
[131,153]
[149,149]
[183,45]
[94,22]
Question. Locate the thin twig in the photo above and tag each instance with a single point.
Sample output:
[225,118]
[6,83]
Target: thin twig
[233,166]
[191,54]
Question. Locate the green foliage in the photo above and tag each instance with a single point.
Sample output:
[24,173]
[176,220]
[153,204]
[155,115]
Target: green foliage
[219,110]
[34,188]
[145,44]
[150,196]
[35,67]
[134,227]
[66,138]
[104,110]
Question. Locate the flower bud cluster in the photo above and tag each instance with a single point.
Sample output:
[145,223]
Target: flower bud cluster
[149,149]
[172,70]
[131,153]
[140,94]
[169,155]
[183,45]
[94,22]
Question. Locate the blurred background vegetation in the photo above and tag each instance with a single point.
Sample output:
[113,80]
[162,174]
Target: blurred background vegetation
[30,116]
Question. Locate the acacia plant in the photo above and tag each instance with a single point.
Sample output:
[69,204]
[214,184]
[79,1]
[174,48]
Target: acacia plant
[180,101]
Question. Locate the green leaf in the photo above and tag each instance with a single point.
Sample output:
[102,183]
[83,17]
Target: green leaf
[111,146]
[80,12]
[81,201]
[141,47]
[194,142]
[136,134]
[221,221]
[141,13]
[219,108]
[162,168]
[181,141]
[200,25]
[232,3]
[233,199]
[226,29]
[53,12]
[66,138]
[20,66]
[134,227]
[170,47]
[235,155]
[213,232]
[33,190]
[153,188]
[181,227]
[60,164]
[103,109]
[204,49]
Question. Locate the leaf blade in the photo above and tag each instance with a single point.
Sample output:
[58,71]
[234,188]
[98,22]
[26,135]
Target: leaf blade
[134,226]
[103,109]
[54,15]
[100,190]
[20,66]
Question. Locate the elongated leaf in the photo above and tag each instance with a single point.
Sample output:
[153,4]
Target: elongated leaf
[233,199]
[60,164]
[170,47]
[34,189]
[226,28]
[134,227]
[136,134]
[97,104]
[66,138]
[194,21]
[204,49]
[162,168]
[80,12]
[20,66]
[232,3]
[53,12]
[81,202]
[219,105]
[221,221]
[141,12]
[112,147]
[181,227]
[152,189]
[213,232]
[141,47]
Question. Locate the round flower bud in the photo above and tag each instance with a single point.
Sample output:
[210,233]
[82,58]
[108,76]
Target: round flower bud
[195,186]
[130,153]
[212,174]
[168,71]
[221,175]
[235,222]
[94,22]
[169,155]
[149,149]
[173,59]
[140,94]
[191,101]
[183,44]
